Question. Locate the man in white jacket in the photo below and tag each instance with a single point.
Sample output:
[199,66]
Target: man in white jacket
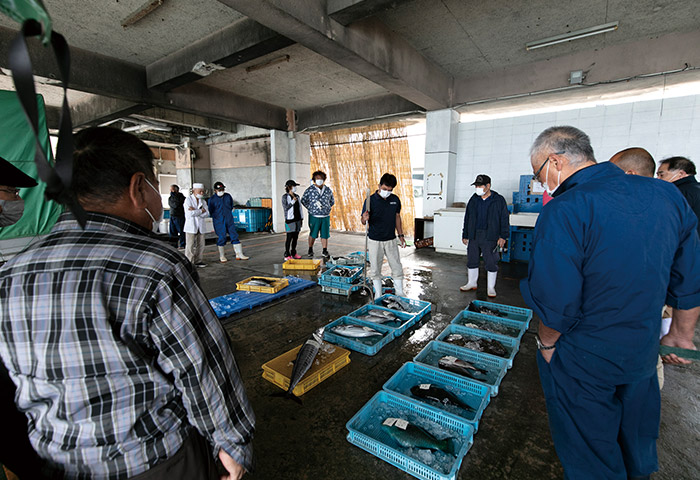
[195,212]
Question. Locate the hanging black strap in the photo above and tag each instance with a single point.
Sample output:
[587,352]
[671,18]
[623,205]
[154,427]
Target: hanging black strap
[58,178]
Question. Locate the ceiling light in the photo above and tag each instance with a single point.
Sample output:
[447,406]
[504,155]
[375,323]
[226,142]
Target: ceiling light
[567,37]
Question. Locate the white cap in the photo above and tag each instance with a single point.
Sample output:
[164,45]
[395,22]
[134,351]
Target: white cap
[198,185]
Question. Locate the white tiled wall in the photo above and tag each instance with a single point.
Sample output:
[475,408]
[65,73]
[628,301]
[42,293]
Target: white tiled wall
[500,148]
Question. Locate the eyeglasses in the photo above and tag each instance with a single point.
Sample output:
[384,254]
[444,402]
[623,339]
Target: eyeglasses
[535,177]
[13,191]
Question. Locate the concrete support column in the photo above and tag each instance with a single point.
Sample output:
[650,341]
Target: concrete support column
[440,160]
[290,158]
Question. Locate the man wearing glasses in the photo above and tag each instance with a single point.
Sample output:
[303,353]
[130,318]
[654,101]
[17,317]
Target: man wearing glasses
[11,205]
[597,279]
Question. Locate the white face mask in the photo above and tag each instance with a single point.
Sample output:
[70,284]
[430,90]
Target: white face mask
[480,191]
[221,194]
[294,189]
[550,192]
[156,223]
[199,195]
[12,211]
[319,182]
[384,193]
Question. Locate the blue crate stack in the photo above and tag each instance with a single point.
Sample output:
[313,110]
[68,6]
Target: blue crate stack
[423,372]
[251,219]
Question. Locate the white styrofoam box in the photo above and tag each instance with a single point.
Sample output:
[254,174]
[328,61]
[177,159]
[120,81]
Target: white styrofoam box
[647,106]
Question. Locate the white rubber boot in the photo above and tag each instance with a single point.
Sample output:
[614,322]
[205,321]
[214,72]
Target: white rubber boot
[473,276]
[222,257]
[239,252]
[398,287]
[377,288]
[491,285]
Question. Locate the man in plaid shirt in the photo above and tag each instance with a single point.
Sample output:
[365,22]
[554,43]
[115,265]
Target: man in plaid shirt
[121,366]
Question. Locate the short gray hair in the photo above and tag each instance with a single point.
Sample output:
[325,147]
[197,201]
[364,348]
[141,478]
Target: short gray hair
[570,140]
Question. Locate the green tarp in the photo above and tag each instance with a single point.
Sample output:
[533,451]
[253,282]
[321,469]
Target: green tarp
[17,146]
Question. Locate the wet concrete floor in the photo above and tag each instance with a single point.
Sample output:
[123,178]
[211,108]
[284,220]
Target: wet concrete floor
[308,442]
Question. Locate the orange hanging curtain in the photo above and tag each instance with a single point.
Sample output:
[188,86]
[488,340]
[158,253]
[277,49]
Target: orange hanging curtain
[354,160]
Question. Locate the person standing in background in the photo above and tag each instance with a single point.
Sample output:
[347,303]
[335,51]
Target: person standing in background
[176,202]
[221,211]
[486,227]
[293,219]
[318,200]
[681,172]
[195,213]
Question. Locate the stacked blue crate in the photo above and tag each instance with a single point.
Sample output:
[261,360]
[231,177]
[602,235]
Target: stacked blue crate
[251,219]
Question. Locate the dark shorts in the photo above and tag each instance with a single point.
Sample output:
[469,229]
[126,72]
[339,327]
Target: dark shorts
[322,225]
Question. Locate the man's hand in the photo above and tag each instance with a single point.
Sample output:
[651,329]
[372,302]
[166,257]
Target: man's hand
[402,242]
[671,341]
[501,242]
[465,241]
[547,354]
[234,469]
[192,208]
[365,217]
[204,210]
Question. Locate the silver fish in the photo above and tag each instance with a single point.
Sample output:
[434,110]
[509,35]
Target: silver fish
[461,367]
[303,362]
[373,319]
[259,282]
[409,435]
[375,312]
[356,331]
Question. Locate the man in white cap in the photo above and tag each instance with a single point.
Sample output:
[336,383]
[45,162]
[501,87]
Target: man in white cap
[195,212]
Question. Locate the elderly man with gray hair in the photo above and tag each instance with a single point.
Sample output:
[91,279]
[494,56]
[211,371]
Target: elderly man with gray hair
[196,211]
[597,280]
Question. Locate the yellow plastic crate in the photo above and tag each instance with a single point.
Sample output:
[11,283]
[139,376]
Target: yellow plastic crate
[279,370]
[301,264]
[279,284]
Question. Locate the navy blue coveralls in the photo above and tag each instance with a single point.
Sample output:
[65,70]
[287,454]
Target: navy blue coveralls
[221,212]
[609,250]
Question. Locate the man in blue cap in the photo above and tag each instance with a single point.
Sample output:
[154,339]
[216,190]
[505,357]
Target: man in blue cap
[221,211]
[598,280]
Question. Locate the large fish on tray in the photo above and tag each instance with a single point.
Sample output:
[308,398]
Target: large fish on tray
[302,364]
[356,331]
[428,391]
[409,435]
[461,367]
[396,303]
[472,342]
[260,282]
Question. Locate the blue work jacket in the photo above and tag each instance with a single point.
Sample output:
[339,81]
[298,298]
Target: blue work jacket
[497,218]
[221,211]
[608,251]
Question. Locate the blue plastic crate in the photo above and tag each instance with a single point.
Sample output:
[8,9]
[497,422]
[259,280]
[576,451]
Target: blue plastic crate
[495,367]
[521,243]
[513,313]
[355,344]
[352,259]
[407,319]
[418,307]
[511,344]
[340,291]
[525,184]
[251,219]
[326,278]
[527,203]
[365,432]
[473,394]
[504,326]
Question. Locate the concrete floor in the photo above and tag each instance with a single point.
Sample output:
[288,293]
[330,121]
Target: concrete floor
[308,442]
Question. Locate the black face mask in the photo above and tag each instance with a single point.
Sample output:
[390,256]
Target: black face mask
[11,211]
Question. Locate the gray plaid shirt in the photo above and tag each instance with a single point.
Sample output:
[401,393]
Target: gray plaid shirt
[116,352]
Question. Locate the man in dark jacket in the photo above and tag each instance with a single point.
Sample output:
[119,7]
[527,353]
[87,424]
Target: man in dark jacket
[681,172]
[177,215]
[486,227]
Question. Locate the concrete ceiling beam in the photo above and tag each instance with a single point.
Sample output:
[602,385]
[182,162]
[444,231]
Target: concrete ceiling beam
[648,56]
[99,110]
[188,120]
[367,47]
[346,12]
[109,77]
[241,42]
[346,113]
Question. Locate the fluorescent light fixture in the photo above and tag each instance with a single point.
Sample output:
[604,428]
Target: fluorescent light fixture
[567,37]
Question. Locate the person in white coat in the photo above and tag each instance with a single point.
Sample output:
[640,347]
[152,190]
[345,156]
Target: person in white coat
[196,211]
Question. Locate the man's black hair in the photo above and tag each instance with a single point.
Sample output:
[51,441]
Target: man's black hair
[319,173]
[680,163]
[104,160]
[389,180]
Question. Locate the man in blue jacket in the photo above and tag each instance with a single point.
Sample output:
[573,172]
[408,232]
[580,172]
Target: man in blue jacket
[608,251]
[486,227]
[221,212]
